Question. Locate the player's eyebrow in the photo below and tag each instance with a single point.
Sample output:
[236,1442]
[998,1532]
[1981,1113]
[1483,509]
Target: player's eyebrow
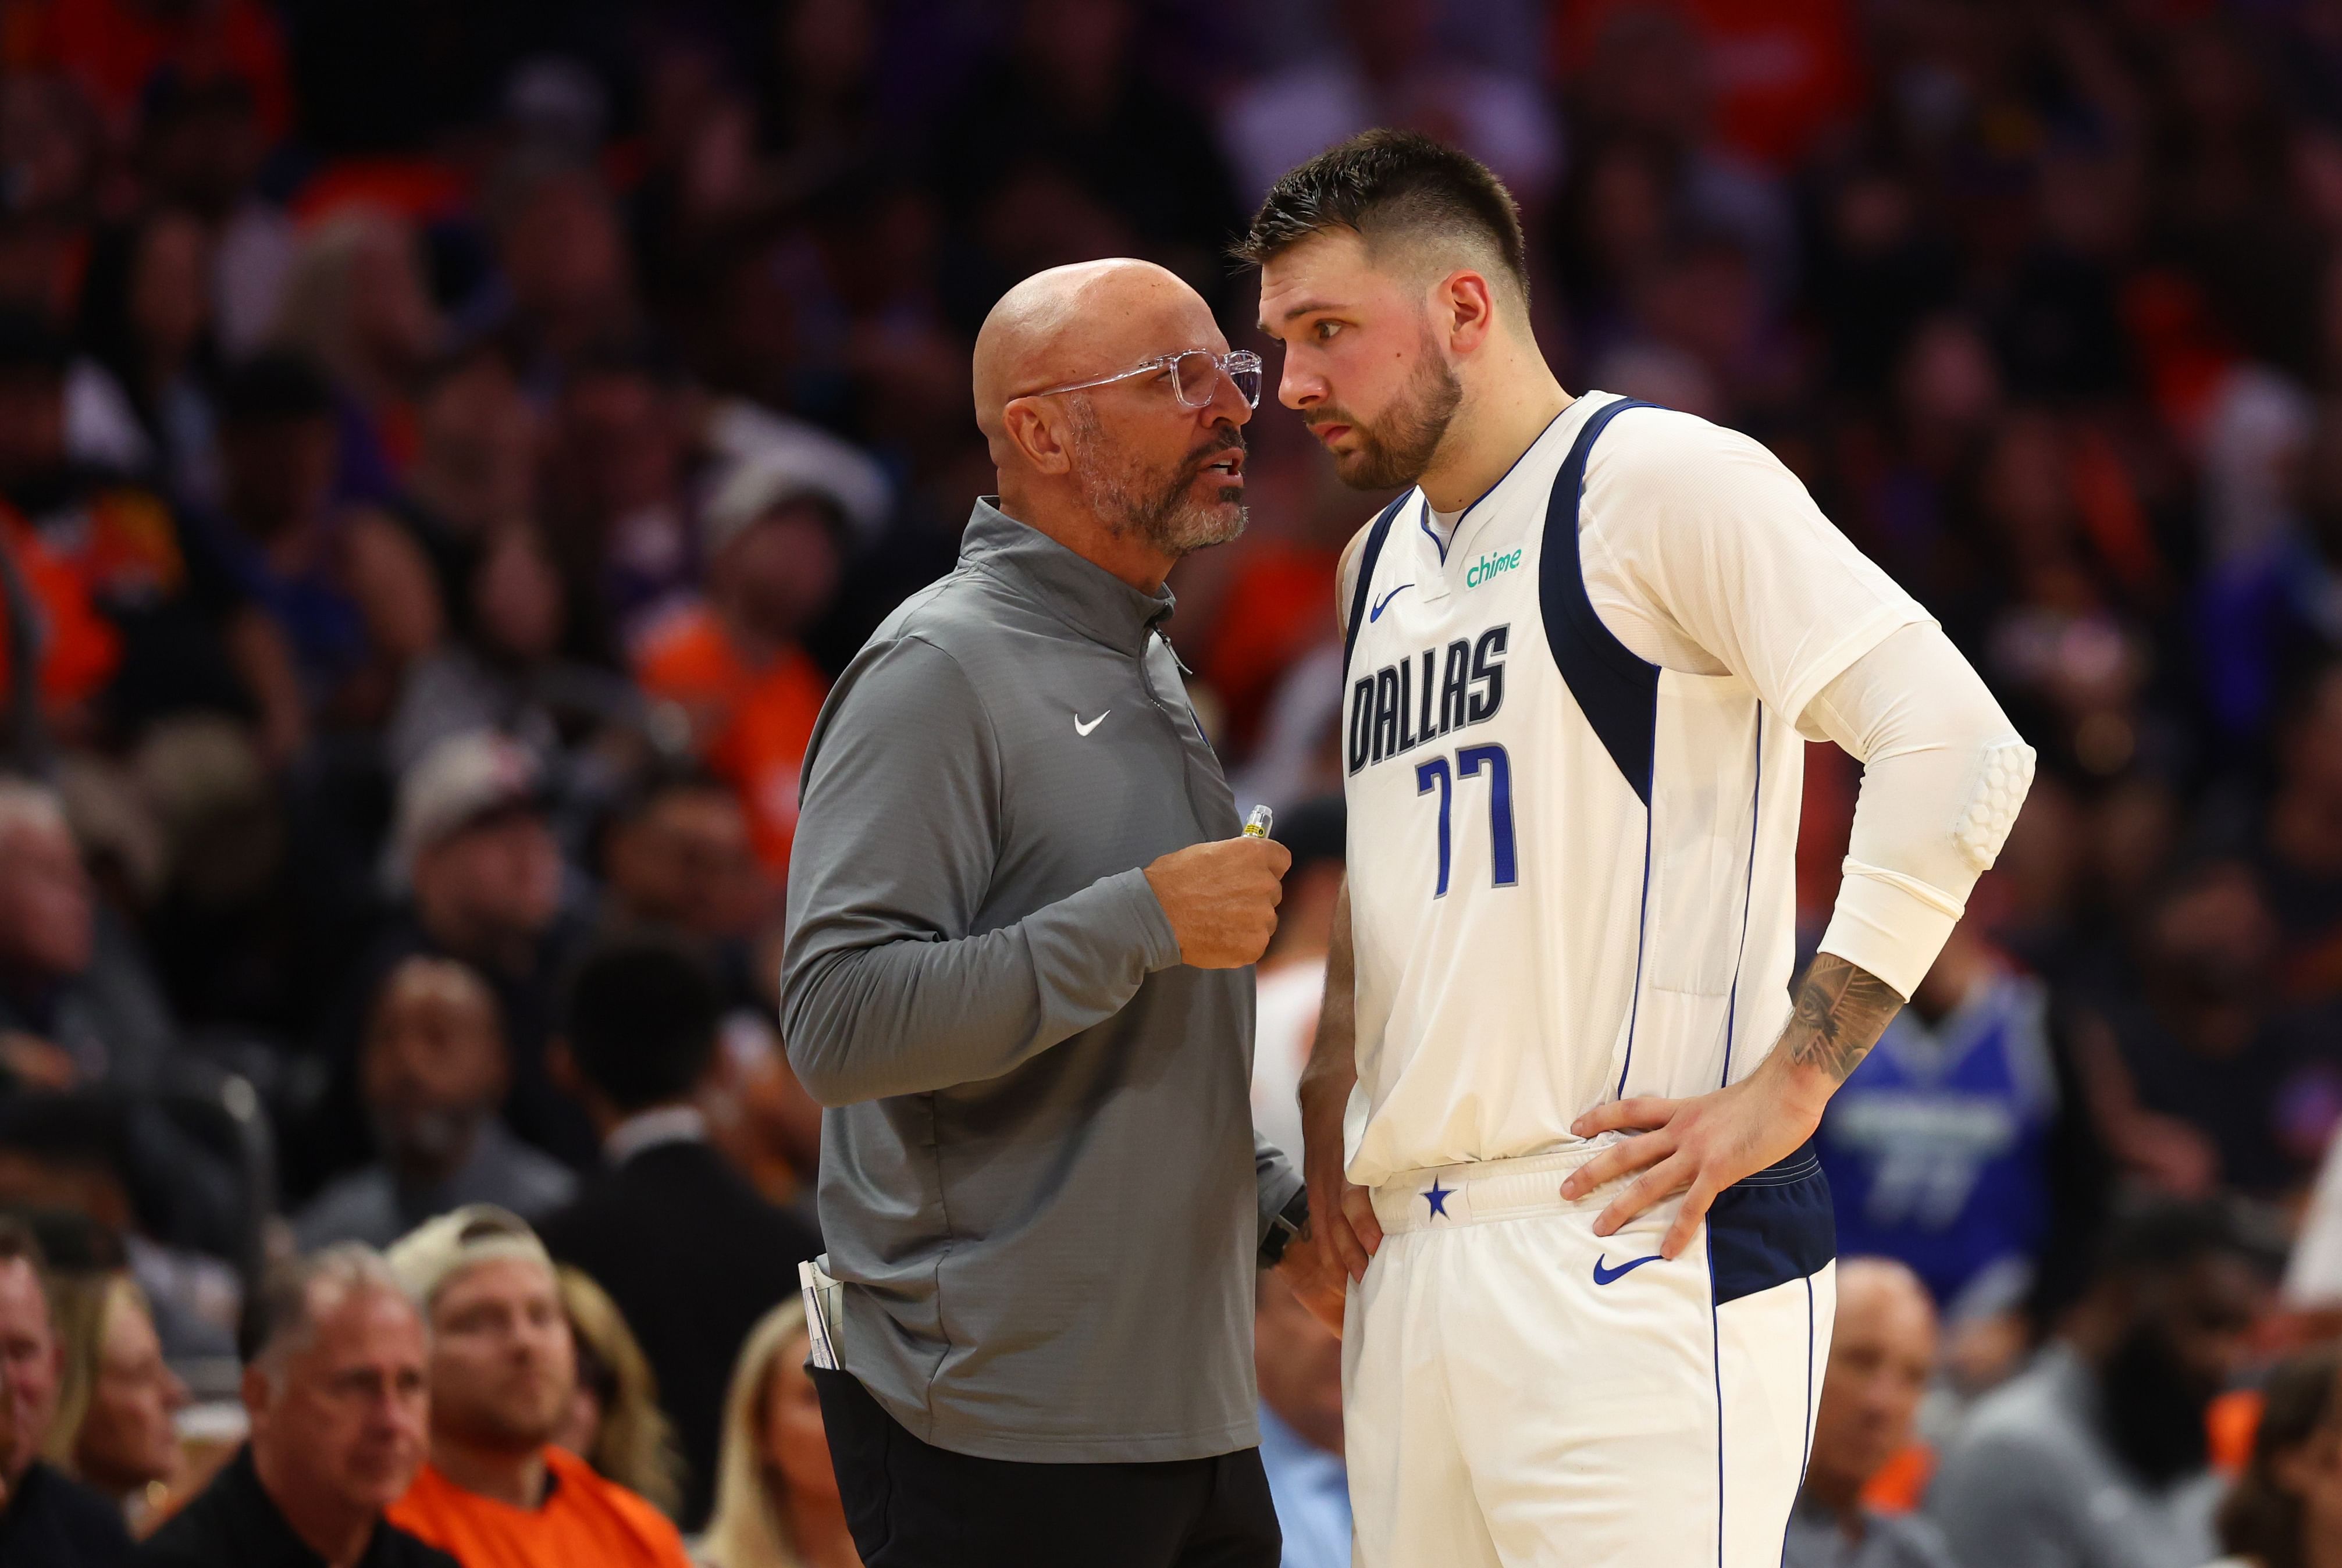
[1306,307]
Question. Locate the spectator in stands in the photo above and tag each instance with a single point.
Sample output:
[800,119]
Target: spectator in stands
[146,314]
[472,846]
[677,857]
[568,281]
[495,1489]
[116,1185]
[509,609]
[2097,1452]
[334,1387]
[775,539]
[356,305]
[2286,1509]
[1937,1148]
[1882,1353]
[691,1254]
[140,622]
[113,1429]
[1386,68]
[776,1502]
[616,503]
[46,1520]
[614,1423]
[76,1005]
[432,1071]
[1299,1363]
[2198,1075]
[201,145]
[345,591]
[475,460]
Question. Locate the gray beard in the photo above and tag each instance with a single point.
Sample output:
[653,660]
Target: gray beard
[1168,517]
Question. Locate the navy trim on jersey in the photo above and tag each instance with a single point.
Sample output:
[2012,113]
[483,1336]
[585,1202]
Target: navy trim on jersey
[1748,893]
[1642,934]
[1377,536]
[1433,534]
[1772,1227]
[1715,1364]
[1618,692]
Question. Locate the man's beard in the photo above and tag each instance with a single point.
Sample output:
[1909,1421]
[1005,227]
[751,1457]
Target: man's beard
[429,1142]
[1166,515]
[2154,1416]
[1397,448]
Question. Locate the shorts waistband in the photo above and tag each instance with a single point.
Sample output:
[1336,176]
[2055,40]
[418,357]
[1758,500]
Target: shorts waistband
[1484,1190]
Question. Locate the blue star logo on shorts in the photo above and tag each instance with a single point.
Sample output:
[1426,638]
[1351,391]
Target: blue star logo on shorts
[1437,1196]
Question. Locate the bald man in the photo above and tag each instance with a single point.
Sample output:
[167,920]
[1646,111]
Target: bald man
[1882,1355]
[1021,913]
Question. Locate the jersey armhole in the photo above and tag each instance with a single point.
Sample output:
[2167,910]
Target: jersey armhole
[1615,688]
[1375,534]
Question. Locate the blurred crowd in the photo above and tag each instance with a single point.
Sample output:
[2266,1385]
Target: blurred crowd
[446,451]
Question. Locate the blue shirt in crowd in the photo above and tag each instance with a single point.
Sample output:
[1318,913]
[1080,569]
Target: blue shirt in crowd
[1312,1493]
[1936,1147]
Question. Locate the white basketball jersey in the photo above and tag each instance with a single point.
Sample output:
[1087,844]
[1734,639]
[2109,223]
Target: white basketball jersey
[1571,870]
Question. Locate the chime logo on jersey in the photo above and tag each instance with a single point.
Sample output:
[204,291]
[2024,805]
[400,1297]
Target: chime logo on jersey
[1485,569]
[1422,698]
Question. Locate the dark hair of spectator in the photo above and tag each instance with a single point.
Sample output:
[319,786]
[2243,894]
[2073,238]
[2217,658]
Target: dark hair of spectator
[71,1241]
[1316,830]
[30,347]
[665,778]
[18,1244]
[642,1022]
[2167,1238]
[1390,184]
[2260,1520]
[276,388]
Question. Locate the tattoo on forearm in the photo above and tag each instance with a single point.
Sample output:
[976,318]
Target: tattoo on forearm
[1840,1013]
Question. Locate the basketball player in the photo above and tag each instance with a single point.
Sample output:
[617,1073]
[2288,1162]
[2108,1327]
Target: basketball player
[1568,1114]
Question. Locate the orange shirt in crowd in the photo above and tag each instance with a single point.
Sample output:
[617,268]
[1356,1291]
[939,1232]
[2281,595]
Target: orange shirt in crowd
[584,1522]
[80,649]
[751,722]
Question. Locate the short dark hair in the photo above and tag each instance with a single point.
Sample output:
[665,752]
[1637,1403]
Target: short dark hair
[1389,182]
[643,1012]
[2161,1237]
[275,387]
[20,1244]
[30,348]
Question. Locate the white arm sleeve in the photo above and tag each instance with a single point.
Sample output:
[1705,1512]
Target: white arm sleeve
[1943,776]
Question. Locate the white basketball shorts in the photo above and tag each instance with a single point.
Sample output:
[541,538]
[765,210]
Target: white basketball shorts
[1519,1391]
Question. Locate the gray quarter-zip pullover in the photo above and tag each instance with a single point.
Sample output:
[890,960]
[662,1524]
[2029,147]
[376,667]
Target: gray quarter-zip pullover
[1039,1176]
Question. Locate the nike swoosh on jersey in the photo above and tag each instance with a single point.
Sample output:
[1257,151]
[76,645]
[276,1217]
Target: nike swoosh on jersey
[1377,612]
[1603,1276]
[1083,729]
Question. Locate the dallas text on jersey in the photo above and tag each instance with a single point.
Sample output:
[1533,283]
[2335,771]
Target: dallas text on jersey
[1391,711]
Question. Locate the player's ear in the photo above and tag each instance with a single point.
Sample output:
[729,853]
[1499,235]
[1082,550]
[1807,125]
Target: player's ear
[1040,434]
[1470,307]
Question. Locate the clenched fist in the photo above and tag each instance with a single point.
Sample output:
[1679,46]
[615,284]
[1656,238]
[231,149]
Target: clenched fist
[1222,898]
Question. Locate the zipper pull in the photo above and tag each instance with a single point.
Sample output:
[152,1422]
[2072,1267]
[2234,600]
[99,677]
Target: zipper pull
[1165,638]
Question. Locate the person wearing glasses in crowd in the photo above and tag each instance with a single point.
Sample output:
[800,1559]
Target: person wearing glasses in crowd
[1022,907]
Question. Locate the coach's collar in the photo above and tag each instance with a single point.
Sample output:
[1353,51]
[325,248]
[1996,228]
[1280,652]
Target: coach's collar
[1089,598]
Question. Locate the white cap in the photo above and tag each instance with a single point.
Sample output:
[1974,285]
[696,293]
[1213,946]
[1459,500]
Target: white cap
[435,1251]
[460,780]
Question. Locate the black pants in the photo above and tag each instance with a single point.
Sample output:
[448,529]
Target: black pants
[914,1505]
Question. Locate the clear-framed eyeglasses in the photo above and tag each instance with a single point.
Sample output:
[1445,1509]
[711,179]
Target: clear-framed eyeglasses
[1195,377]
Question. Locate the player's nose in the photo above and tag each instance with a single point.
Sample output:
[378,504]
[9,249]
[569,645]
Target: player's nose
[1297,389]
